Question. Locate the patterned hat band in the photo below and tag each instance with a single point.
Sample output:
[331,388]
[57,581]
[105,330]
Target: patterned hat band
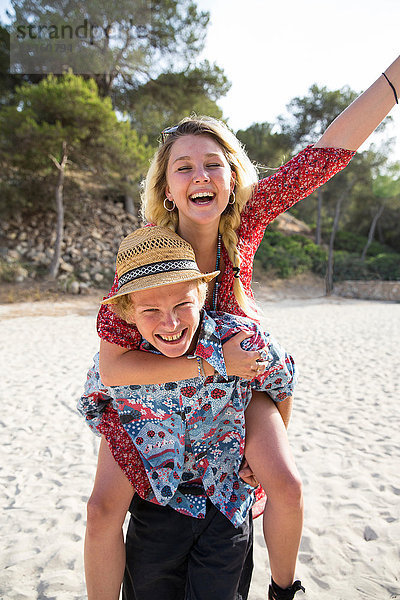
[166,266]
[152,257]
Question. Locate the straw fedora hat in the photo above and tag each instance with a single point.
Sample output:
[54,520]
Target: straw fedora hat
[154,256]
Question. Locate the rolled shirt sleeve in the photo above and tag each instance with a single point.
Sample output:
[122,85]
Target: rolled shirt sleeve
[280,377]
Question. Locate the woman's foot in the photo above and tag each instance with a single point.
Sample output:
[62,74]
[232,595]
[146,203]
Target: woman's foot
[277,593]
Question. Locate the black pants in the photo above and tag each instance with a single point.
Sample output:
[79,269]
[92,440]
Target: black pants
[170,556]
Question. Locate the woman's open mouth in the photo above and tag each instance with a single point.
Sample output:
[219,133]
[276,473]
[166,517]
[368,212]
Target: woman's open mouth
[202,198]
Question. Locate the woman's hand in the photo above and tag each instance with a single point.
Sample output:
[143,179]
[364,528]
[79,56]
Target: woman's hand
[243,363]
[247,474]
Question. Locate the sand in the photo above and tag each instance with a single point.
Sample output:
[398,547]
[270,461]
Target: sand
[344,434]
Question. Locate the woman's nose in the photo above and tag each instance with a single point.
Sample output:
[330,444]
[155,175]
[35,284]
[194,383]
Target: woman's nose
[201,175]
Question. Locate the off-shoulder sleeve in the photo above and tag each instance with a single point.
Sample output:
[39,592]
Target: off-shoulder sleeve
[292,182]
[115,330]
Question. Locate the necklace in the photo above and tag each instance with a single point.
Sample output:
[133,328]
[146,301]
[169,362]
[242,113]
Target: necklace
[216,286]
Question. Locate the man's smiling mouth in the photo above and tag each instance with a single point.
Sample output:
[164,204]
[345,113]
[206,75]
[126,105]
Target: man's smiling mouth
[172,338]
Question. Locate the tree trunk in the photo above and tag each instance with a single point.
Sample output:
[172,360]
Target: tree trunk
[55,263]
[381,237]
[329,269]
[319,217]
[129,205]
[371,233]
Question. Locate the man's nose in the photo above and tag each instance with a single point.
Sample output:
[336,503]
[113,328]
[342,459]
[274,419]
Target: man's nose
[170,320]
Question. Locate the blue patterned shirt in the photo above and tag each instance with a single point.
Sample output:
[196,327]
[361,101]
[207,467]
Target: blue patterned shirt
[190,434]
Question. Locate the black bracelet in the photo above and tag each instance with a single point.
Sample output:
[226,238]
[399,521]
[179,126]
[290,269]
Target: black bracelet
[392,86]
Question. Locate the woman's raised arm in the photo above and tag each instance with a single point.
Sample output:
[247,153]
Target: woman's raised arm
[355,124]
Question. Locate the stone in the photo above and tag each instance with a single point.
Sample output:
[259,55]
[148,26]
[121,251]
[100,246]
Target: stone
[13,255]
[20,275]
[370,534]
[64,266]
[74,287]
[84,288]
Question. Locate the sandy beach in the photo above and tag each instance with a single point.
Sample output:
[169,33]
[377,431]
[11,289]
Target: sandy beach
[345,434]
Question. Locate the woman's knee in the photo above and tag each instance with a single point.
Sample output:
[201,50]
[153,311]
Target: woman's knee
[101,515]
[287,488]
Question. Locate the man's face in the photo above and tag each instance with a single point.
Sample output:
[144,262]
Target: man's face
[168,317]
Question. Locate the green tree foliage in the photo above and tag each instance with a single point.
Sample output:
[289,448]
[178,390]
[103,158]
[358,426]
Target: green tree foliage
[9,81]
[6,80]
[286,256]
[67,109]
[122,40]
[142,54]
[172,96]
[354,243]
[384,266]
[308,117]
[61,122]
[265,146]
[377,213]
[355,190]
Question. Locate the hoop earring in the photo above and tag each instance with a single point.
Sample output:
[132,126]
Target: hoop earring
[234,199]
[166,207]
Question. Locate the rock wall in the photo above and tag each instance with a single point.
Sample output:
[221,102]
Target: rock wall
[88,250]
[90,246]
[369,290]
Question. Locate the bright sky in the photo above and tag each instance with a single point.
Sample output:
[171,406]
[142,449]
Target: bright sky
[273,51]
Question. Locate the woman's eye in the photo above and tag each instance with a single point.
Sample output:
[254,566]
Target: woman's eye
[214,165]
[186,168]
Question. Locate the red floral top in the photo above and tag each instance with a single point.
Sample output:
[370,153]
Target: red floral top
[292,182]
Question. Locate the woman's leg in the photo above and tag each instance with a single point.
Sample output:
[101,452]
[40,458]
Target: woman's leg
[269,456]
[104,543]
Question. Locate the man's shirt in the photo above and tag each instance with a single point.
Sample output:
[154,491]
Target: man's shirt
[190,434]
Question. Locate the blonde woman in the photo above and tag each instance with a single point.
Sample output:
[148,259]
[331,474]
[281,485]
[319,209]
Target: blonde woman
[202,185]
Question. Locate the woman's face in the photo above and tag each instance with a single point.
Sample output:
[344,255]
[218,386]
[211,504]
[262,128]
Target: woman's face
[199,180]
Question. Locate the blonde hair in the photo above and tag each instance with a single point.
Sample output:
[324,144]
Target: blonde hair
[123,306]
[153,196]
